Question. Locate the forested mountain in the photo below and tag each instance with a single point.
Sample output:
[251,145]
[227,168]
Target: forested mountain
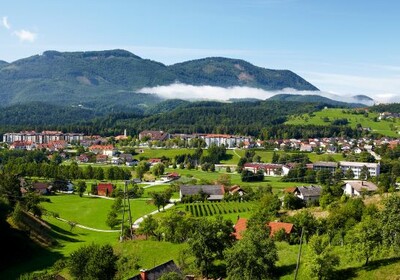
[314,98]
[107,78]
[224,72]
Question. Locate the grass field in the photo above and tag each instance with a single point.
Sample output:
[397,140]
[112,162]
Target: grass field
[235,178]
[385,127]
[90,211]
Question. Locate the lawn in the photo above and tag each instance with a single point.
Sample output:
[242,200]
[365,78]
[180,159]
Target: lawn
[326,116]
[211,177]
[158,153]
[91,211]
[159,188]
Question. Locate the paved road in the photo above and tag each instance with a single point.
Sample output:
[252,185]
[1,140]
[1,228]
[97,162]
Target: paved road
[138,221]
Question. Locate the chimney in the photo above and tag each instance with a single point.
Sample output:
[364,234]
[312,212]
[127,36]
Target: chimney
[143,274]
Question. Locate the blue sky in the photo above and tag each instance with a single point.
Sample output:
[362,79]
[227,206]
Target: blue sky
[342,47]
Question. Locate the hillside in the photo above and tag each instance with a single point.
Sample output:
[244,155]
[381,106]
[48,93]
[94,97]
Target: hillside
[111,78]
[314,98]
[354,119]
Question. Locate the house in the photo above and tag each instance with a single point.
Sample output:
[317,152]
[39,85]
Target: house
[277,226]
[41,187]
[105,189]
[269,169]
[236,189]
[83,158]
[157,272]
[305,148]
[308,194]
[107,150]
[357,187]
[153,135]
[154,161]
[101,158]
[213,192]
[241,226]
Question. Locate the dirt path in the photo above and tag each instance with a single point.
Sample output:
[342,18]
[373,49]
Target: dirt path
[88,228]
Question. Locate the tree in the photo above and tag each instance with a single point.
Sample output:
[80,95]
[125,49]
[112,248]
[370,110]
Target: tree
[349,174]
[252,257]
[208,242]
[364,173]
[324,177]
[160,199]
[141,169]
[81,187]
[322,261]
[365,239]
[149,226]
[171,276]
[112,220]
[93,262]
[224,179]
[158,169]
[390,219]
[10,188]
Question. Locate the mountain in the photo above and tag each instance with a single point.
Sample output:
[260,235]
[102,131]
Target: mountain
[314,98]
[225,72]
[3,63]
[110,79]
[364,99]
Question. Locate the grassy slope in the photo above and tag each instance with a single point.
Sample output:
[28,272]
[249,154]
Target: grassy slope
[233,155]
[383,127]
[92,211]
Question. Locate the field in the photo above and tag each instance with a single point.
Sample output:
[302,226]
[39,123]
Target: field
[326,116]
[92,211]
[233,156]
[206,209]
[211,177]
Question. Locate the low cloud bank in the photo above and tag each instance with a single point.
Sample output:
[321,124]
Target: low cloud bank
[189,92]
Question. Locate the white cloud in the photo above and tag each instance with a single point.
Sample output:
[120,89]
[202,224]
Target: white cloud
[6,24]
[25,35]
[189,92]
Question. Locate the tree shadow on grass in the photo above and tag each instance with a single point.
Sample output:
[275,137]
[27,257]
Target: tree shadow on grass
[62,234]
[285,270]
[352,272]
[19,255]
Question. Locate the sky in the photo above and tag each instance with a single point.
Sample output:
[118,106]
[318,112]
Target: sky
[342,47]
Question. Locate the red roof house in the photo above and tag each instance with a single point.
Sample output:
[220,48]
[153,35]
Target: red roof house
[277,226]
[241,226]
[104,189]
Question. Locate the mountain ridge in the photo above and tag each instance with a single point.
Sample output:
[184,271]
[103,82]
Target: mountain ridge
[93,77]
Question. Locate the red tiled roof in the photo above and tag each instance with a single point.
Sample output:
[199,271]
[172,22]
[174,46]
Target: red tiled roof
[240,227]
[290,190]
[277,226]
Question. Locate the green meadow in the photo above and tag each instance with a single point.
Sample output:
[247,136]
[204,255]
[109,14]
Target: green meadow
[327,116]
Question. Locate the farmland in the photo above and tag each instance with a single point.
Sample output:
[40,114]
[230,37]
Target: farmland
[206,209]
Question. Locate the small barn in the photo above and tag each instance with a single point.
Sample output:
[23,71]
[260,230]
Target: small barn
[105,189]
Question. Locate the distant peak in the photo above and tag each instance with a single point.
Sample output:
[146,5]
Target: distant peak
[92,54]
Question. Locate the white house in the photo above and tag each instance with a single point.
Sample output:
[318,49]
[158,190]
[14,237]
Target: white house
[355,188]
